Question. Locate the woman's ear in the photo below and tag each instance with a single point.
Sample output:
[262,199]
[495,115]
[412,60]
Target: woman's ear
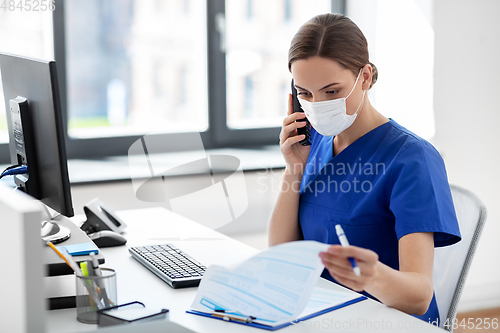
[366,75]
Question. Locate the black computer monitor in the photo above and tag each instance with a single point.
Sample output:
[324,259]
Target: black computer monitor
[36,132]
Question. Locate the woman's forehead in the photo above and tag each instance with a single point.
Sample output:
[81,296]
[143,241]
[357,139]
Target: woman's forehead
[316,72]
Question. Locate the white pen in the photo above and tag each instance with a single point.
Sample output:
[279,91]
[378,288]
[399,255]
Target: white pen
[97,271]
[95,264]
[344,242]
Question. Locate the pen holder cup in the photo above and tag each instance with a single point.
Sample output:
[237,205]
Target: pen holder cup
[94,293]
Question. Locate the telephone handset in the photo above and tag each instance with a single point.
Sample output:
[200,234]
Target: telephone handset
[306,130]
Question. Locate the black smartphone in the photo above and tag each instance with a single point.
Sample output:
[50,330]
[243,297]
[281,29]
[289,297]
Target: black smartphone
[306,130]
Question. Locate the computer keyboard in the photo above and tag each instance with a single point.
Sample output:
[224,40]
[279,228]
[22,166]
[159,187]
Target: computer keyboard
[169,263]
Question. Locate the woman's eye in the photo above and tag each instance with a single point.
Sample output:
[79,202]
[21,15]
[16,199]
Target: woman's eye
[302,93]
[332,92]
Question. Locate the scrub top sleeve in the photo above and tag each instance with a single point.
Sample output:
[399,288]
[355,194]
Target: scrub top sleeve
[420,197]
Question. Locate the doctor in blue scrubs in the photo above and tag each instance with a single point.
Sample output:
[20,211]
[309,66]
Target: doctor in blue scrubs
[384,185]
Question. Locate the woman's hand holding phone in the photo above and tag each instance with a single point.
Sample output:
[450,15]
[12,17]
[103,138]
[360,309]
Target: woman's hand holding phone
[294,153]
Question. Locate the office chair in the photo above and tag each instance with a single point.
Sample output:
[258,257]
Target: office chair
[452,263]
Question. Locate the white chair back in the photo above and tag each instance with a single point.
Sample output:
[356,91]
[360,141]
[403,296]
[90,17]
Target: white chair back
[451,263]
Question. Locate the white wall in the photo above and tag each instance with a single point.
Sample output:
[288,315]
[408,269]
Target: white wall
[467,116]
[400,35]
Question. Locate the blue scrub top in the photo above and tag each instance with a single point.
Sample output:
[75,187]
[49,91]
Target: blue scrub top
[387,184]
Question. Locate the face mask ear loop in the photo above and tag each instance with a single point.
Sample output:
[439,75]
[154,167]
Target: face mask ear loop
[355,82]
[360,103]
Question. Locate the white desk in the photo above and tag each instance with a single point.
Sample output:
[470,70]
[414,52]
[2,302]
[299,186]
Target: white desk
[136,283]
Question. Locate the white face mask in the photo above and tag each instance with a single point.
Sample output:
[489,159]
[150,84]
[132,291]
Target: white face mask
[329,118]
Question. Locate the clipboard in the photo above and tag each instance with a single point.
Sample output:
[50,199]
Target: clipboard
[249,321]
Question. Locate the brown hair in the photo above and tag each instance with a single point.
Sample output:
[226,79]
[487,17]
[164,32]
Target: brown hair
[332,36]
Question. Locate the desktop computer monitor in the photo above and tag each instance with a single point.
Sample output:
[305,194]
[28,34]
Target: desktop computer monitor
[36,134]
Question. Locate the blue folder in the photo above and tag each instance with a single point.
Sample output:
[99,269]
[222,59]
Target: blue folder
[273,328]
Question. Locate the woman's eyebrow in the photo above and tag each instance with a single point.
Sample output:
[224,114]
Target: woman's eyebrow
[327,86]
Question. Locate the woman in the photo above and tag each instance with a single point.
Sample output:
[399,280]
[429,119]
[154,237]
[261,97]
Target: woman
[384,185]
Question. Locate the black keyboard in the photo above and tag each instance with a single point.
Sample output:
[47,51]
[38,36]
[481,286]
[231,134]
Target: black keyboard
[170,264]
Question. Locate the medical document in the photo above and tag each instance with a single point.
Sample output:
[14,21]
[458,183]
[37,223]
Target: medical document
[275,286]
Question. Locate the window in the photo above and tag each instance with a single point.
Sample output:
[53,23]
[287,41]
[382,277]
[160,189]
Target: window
[166,68]
[256,58]
[135,67]
[253,56]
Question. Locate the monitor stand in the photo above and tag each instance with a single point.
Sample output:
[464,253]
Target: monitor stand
[53,232]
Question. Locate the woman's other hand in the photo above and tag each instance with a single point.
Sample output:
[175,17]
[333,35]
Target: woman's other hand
[336,260]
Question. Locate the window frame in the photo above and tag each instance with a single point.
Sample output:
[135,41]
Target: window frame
[218,134]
